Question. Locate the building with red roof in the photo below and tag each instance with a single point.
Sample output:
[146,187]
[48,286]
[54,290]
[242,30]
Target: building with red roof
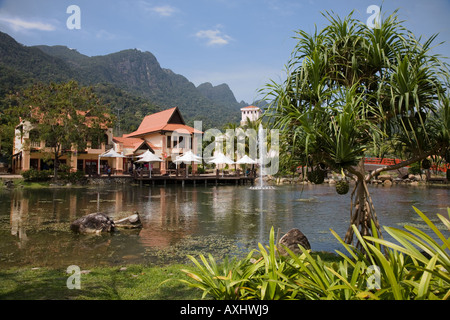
[164,133]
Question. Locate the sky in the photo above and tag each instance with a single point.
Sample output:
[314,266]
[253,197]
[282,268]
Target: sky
[243,43]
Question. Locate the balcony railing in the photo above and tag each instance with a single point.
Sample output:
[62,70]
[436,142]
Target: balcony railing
[35,144]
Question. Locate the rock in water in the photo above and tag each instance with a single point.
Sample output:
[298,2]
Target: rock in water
[292,240]
[93,223]
[130,222]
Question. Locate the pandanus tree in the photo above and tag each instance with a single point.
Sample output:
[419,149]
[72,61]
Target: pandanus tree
[350,89]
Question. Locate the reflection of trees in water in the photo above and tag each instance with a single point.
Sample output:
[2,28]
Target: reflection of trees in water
[35,224]
[170,215]
[18,217]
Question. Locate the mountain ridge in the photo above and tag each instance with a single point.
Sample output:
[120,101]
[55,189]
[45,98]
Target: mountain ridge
[131,81]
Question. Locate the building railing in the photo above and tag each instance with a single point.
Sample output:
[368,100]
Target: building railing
[392,161]
[35,144]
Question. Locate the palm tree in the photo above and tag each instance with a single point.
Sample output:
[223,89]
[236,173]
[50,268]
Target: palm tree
[350,89]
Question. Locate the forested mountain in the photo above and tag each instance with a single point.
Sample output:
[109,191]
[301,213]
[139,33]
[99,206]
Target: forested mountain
[130,81]
[140,74]
[220,94]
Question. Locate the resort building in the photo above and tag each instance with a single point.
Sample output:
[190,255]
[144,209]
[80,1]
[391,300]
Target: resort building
[164,133]
[31,153]
[251,113]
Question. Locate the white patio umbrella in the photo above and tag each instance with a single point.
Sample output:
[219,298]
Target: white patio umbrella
[246,160]
[147,152]
[220,158]
[111,153]
[148,156]
[187,158]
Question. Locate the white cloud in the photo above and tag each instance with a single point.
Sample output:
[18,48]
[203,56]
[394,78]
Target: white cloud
[214,37]
[164,11]
[18,24]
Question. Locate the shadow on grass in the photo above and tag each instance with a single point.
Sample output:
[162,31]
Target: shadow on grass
[131,283]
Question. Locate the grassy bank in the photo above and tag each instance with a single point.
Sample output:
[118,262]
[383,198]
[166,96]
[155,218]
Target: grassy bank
[134,282]
[131,282]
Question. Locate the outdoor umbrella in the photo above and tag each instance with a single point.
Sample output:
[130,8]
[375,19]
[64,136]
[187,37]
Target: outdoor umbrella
[220,158]
[109,154]
[149,157]
[246,160]
[146,153]
[187,158]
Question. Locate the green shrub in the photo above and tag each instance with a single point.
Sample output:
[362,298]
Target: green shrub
[201,170]
[65,175]
[34,175]
[76,177]
[415,168]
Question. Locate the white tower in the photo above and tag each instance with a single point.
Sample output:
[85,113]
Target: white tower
[251,112]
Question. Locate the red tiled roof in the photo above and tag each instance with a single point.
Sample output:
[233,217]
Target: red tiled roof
[180,127]
[161,121]
[133,143]
[250,107]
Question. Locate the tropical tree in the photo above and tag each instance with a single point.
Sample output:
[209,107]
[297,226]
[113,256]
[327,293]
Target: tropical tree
[63,115]
[350,89]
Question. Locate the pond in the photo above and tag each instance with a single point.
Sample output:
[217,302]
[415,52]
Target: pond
[221,220]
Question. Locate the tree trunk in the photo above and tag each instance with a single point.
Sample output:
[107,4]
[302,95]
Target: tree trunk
[55,167]
[362,211]
[56,162]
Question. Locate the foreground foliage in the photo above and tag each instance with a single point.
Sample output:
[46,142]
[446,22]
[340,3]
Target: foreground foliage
[415,268]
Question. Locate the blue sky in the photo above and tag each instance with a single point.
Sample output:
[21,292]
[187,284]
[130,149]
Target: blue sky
[243,43]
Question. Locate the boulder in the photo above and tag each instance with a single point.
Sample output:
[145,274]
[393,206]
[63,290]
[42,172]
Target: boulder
[387,183]
[9,183]
[384,177]
[99,222]
[130,222]
[292,239]
[93,223]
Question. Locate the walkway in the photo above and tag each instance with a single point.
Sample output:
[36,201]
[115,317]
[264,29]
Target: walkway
[194,179]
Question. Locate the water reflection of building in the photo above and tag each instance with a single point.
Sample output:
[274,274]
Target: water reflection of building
[18,217]
[170,216]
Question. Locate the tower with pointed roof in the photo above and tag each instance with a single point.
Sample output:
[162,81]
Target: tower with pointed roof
[251,113]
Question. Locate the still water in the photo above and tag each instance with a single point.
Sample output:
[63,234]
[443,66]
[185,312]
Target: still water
[222,220]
